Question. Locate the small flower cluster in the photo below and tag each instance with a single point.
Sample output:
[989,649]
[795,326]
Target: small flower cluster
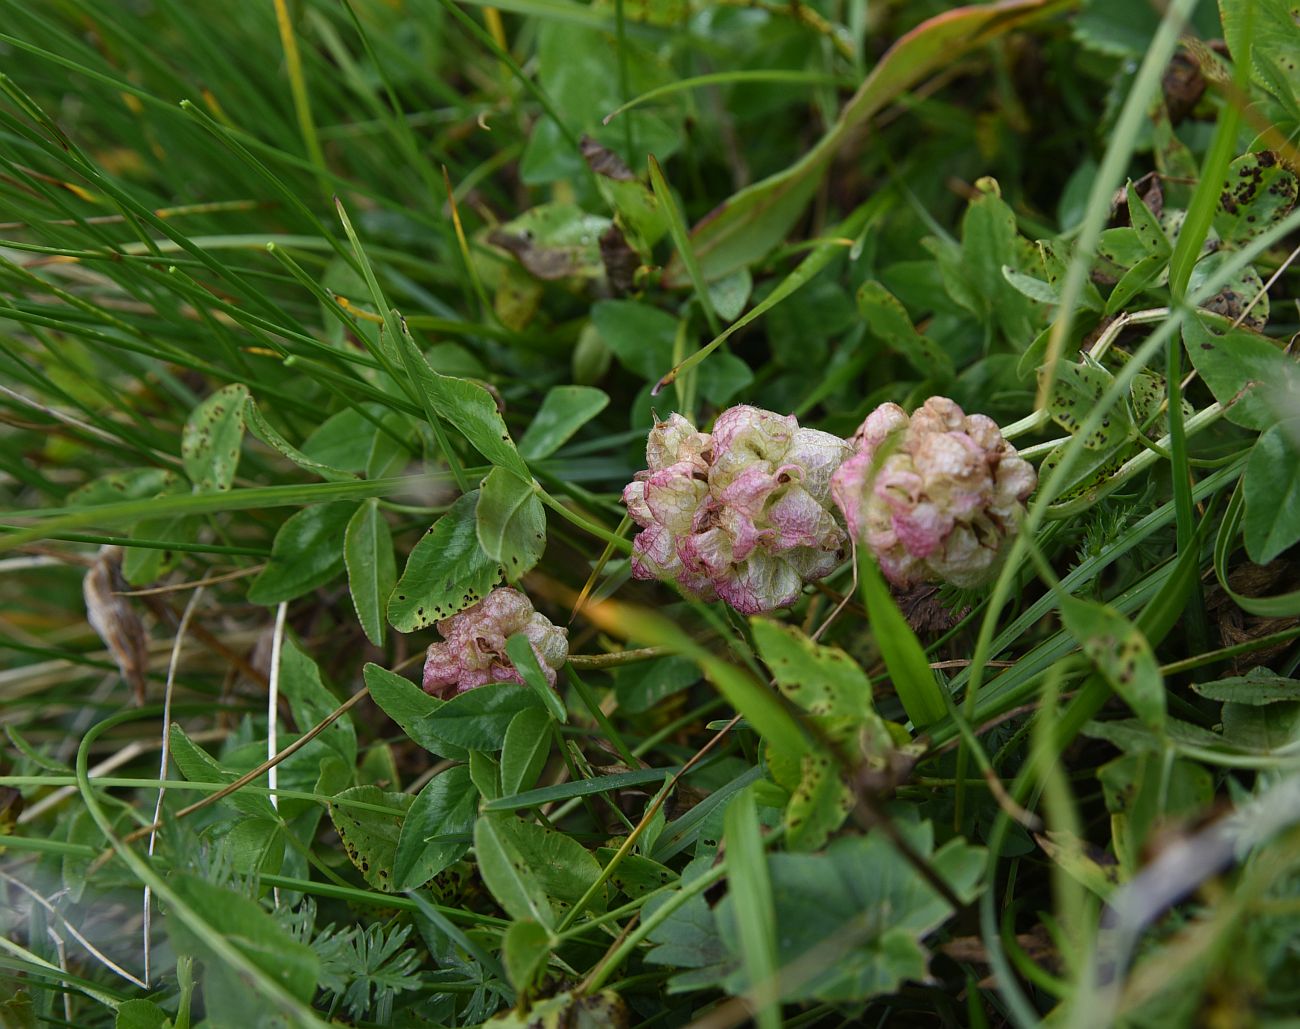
[474,649]
[743,513]
[935,496]
[747,513]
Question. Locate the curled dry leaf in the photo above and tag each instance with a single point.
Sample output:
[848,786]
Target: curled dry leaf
[114,620]
[620,260]
[604,161]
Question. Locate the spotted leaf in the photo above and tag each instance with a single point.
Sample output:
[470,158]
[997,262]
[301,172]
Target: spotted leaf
[1148,394]
[370,837]
[1258,193]
[1122,655]
[1090,471]
[1242,298]
[1076,391]
[1146,224]
[211,439]
[819,804]
[533,872]
[446,572]
[636,875]
[821,680]
[889,320]
[510,522]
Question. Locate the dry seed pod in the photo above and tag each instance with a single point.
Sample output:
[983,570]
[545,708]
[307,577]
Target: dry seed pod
[742,514]
[942,504]
[474,649]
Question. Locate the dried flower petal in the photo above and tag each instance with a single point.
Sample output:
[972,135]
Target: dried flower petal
[473,651]
[743,513]
[935,496]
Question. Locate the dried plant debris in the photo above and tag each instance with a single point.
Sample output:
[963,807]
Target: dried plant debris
[115,620]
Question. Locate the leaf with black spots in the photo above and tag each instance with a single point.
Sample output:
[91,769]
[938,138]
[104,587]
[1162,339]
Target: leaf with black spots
[1090,471]
[370,837]
[820,679]
[1121,653]
[1257,687]
[532,871]
[1146,224]
[1118,250]
[447,571]
[510,522]
[636,875]
[1241,299]
[212,437]
[603,1010]
[507,872]
[263,430]
[819,804]
[127,484]
[1076,391]
[1249,374]
[889,321]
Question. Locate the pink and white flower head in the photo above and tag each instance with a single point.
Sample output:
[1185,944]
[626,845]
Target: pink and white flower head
[935,496]
[742,514]
[474,649]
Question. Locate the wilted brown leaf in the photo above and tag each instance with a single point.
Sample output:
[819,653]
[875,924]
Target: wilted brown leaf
[115,620]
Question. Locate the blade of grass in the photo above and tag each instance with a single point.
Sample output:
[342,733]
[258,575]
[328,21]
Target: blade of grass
[301,96]
[904,657]
[485,307]
[726,78]
[755,912]
[252,498]
[803,273]
[592,705]
[277,995]
[1187,249]
[1123,140]
[147,544]
[682,241]
[579,788]
[417,369]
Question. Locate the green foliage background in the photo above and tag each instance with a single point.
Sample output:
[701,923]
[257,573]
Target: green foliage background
[321,318]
